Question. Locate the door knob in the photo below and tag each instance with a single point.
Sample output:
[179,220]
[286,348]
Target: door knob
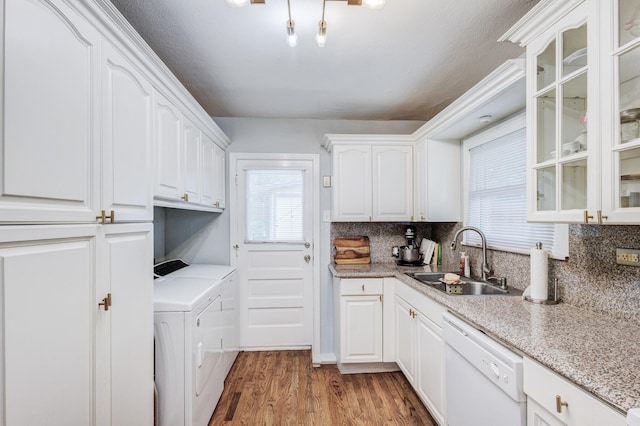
[307,258]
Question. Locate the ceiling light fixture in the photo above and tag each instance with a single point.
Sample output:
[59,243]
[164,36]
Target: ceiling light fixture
[292,38]
[240,3]
[321,37]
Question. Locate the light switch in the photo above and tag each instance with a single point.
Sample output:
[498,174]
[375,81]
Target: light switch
[326,181]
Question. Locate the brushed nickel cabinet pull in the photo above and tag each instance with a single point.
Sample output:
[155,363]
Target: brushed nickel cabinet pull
[185,198]
[363,288]
[560,403]
[587,216]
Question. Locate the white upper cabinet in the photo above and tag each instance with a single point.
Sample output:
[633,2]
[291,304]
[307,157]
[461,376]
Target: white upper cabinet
[352,183]
[191,165]
[168,149]
[621,117]
[372,178]
[50,124]
[437,181]
[219,177]
[583,95]
[127,142]
[392,195]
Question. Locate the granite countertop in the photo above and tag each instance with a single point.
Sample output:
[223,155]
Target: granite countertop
[596,352]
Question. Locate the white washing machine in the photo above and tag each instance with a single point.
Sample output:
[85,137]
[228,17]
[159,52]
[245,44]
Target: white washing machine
[189,327]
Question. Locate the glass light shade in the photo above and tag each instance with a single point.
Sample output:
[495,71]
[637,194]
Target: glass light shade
[373,4]
[321,39]
[238,3]
[321,36]
[292,40]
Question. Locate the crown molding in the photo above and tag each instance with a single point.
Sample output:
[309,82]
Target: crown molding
[490,87]
[329,140]
[539,19]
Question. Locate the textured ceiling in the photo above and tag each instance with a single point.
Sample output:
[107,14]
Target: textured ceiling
[405,62]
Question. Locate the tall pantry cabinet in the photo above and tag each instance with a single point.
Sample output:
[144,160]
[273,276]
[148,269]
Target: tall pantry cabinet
[76,211]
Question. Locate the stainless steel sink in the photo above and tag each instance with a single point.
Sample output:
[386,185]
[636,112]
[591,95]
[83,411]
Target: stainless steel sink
[470,288]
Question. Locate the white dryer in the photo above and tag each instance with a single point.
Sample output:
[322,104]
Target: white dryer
[189,330]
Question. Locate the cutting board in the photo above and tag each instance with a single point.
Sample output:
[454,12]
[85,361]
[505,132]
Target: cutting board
[352,250]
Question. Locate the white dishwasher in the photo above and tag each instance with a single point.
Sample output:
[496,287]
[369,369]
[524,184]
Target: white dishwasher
[483,379]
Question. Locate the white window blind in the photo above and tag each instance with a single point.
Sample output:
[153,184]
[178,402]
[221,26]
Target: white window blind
[274,206]
[496,196]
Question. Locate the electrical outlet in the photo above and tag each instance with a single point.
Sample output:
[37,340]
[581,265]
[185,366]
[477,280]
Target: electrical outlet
[629,257]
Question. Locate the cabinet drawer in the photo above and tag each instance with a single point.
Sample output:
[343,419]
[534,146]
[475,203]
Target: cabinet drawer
[584,409]
[356,286]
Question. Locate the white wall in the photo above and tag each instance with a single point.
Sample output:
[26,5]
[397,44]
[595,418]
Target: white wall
[204,237]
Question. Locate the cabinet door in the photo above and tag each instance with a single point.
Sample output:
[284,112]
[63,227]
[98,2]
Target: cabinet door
[538,416]
[230,338]
[621,118]
[361,334]
[563,157]
[126,153]
[50,114]
[168,137]
[213,174]
[220,178]
[48,308]
[430,366]
[405,339]
[392,182]
[191,147]
[208,181]
[352,183]
[124,339]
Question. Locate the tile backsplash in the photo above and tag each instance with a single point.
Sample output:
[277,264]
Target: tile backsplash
[589,278]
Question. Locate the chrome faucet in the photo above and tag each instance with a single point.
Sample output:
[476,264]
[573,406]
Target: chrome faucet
[485,268]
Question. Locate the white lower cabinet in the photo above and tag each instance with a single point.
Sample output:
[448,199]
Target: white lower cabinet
[554,401]
[361,320]
[420,348]
[362,340]
[67,359]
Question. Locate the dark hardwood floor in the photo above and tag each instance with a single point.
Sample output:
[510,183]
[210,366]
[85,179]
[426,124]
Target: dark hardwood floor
[283,388]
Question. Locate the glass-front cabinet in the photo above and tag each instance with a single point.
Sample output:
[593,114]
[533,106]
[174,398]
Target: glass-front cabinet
[621,132]
[583,110]
[560,64]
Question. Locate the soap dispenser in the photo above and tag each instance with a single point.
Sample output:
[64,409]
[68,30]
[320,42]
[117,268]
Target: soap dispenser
[464,264]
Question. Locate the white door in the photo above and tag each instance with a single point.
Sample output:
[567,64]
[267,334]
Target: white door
[191,146]
[392,183]
[274,251]
[48,307]
[128,177]
[167,137]
[50,122]
[361,328]
[124,337]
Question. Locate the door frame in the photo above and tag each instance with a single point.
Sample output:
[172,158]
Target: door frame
[234,157]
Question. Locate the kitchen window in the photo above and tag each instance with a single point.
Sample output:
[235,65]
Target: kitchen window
[495,180]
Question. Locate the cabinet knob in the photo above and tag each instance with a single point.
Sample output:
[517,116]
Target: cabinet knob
[560,403]
[587,216]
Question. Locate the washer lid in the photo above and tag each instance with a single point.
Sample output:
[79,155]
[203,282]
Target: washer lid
[203,270]
[181,294]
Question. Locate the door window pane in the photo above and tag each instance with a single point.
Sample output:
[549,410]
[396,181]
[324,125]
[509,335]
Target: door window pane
[275,206]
